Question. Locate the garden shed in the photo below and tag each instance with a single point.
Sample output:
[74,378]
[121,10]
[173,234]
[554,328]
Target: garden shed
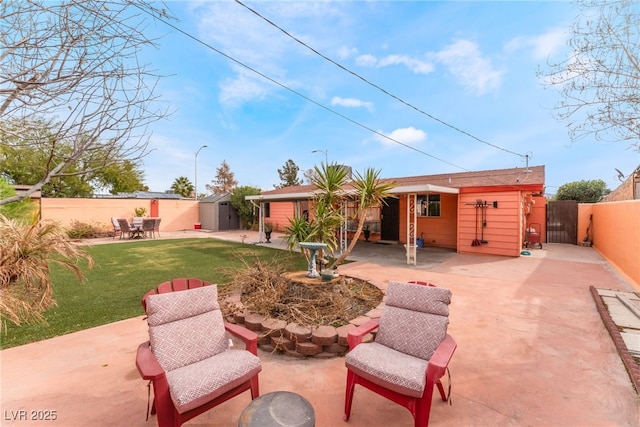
[217,213]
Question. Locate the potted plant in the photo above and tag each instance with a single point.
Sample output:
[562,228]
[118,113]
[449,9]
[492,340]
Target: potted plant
[140,211]
[268,228]
[366,231]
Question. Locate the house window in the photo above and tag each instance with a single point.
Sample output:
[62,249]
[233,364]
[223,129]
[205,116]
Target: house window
[429,205]
[267,210]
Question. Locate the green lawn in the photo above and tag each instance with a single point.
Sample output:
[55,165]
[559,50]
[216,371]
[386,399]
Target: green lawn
[124,272]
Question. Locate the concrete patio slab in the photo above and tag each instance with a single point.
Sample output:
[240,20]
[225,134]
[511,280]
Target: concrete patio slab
[532,351]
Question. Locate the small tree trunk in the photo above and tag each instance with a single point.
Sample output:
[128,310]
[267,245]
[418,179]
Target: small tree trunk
[361,220]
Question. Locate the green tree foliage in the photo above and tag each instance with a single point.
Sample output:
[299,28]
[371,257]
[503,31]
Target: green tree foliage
[183,187]
[600,80]
[245,208]
[289,175]
[591,191]
[25,162]
[224,181]
[22,210]
[123,177]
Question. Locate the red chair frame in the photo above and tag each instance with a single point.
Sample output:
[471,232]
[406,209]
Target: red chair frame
[150,369]
[419,407]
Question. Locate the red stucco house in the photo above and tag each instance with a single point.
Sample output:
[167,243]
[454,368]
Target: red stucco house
[456,210]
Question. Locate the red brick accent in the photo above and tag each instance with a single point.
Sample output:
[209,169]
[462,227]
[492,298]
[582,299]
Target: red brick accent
[360,320]
[336,348]
[253,322]
[273,327]
[297,333]
[324,335]
[629,362]
[239,317]
[282,343]
[308,348]
[343,331]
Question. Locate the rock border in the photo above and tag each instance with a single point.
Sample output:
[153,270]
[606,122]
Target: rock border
[629,362]
[298,341]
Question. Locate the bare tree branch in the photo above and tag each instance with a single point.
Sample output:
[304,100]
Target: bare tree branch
[74,64]
[600,81]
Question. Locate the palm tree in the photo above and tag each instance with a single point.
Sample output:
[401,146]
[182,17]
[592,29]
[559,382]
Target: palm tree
[370,192]
[183,187]
[26,250]
[330,180]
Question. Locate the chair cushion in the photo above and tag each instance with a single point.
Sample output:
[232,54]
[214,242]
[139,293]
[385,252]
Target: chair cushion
[415,318]
[426,299]
[411,332]
[388,368]
[185,327]
[193,385]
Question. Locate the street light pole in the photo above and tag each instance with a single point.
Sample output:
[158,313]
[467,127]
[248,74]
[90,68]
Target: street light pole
[326,162]
[195,175]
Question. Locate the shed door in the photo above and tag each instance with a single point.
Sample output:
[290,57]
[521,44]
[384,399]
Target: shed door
[390,219]
[224,219]
[228,218]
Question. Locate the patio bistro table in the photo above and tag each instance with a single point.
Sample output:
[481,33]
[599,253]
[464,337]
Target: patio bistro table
[278,409]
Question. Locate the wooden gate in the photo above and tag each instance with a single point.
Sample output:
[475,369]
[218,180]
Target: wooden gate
[562,222]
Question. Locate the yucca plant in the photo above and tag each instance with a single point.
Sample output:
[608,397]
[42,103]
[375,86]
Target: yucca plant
[370,191]
[327,217]
[26,249]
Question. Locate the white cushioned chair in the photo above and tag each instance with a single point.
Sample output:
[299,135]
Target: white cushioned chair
[188,358]
[410,353]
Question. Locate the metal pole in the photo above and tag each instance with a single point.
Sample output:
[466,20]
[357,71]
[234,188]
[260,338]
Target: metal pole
[195,177]
[326,162]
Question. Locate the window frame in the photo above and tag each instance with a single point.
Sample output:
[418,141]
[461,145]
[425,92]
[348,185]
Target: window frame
[430,205]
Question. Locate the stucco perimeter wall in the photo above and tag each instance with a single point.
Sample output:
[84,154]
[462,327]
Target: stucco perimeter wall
[176,214]
[616,234]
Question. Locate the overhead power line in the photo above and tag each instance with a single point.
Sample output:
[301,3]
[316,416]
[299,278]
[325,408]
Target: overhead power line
[282,85]
[192,37]
[386,92]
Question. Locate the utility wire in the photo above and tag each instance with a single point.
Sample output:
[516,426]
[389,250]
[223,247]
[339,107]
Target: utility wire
[353,73]
[272,80]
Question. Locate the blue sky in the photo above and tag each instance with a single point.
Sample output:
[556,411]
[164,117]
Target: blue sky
[471,65]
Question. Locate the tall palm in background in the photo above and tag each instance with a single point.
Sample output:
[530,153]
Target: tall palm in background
[183,187]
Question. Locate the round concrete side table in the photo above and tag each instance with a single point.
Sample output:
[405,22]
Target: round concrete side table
[278,409]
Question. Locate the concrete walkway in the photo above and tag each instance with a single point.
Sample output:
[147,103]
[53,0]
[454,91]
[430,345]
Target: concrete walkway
[532,351]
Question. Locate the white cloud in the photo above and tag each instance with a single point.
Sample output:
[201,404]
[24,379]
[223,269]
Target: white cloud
[247,38]
[408,136]
[351,103]
[241,88]
[469,67]
[542,46]
[415,65]
[345,52]
[366,60]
